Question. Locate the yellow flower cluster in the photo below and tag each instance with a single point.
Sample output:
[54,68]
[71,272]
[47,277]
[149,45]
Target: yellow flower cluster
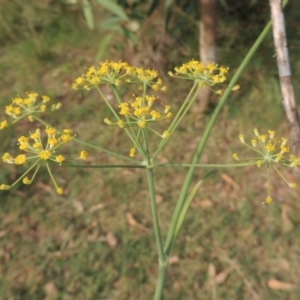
[139,112]
[208,75]
[39,153]
[115,73]
[21,107]
[271,151]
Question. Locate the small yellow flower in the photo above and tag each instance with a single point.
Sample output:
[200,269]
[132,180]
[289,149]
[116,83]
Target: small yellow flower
[293,185]
[132,152]
[46,99]
[3,124]
[4,187]
[26,107]
[26,180]
[236,87]
[45,154]
[242,139]
[60,191]
[41,154]
[107,121]
[269,200]
[259,163]
[20,159]
[208,75]
[83,155]
[142,123]
[60,158]
[121,123]
[165,134]
[7,158]
[235,156]
[254,142]
[272,152]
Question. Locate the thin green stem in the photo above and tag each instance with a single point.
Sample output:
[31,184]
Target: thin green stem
[155,215]
[25,173]
[102,166]
[182,107]
[163,266]
[107,103]
[134,133]
[133,138]
[245,164]
[91,145]
[170,236]
[180,114]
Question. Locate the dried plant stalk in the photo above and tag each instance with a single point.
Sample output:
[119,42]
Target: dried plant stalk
[285,75]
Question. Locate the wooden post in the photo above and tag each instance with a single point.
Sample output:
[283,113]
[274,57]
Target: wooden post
[207,44]
[285,75]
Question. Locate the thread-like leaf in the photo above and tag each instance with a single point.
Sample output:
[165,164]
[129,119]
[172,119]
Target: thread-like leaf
[88,14]
[114,8]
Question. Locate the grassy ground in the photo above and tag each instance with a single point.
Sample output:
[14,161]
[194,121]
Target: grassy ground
[96,241]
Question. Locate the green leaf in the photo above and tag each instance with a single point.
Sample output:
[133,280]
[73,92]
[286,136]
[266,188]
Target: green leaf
[88,14]
[224,4]
[168,3]
[187,204]
[153,7]
[103,46]
[114,8]
[186,207]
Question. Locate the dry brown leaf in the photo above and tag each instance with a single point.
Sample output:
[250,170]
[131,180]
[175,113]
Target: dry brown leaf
[174,259]
[287,224]
[202,203]
[133,222]
[2,233]
[111,239]
[50,289]
[275,284]
[230,181]
[246,232]
[96,207]
[9,217]
[130,219]
[159,199]
[93,237]
[211,271]
[222,276]
[79,207]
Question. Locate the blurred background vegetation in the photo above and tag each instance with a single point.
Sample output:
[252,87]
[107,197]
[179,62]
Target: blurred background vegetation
[96,241]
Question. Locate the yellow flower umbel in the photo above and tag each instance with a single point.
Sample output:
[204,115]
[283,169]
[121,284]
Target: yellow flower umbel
[208,75]
[27,106]
[115,73]
[139,112]
[38,154]
[271,151]
[108,72]
[147,77]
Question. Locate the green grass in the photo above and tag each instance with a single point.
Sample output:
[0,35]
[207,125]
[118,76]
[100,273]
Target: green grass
[71,247]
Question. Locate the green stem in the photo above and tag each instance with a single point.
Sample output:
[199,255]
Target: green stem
[170,236]
[252,163]
[180,114]
[163,266]
[155,215]
[103,166]
[133,138]
[91,145]
[133,131]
